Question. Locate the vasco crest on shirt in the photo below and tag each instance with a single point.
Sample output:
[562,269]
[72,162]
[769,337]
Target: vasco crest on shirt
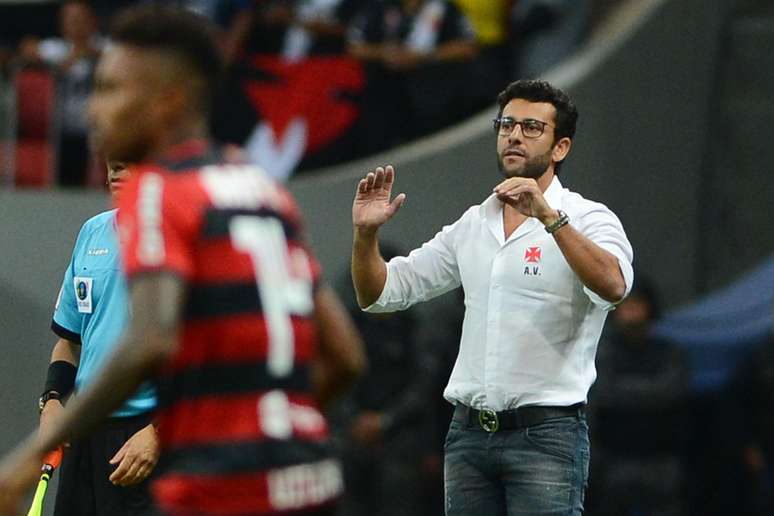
[532,257]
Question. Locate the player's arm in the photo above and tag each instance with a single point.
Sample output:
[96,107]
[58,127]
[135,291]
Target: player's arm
[341,357]
[65,357]
[60,379]
[66,350]
[156,301]
[66,323]
[151,338]
[66,353]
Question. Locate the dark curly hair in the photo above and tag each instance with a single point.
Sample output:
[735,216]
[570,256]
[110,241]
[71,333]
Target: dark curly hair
[541,91]
[179,32]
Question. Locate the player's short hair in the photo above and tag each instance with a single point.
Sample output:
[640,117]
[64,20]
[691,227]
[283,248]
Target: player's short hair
[85,3]
[533,90]
[188,36]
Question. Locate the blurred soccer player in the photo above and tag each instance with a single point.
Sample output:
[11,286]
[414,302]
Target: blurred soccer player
[104,473]
[227,307]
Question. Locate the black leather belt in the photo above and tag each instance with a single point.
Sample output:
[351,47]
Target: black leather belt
[513,419]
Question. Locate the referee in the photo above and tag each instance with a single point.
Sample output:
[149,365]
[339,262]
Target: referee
[103,474]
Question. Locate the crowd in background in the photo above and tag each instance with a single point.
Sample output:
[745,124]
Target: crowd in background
[309,83]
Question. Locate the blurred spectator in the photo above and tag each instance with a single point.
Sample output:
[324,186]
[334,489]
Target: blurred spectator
[254,26]
[319,27]
[292,93]
[19,19]
[106,9]
[384,422]
[206,8]
[752,410]
[638,427]
[72,58]
[292,29]
[546,32]
[491,20]
[420,53]
[403,34]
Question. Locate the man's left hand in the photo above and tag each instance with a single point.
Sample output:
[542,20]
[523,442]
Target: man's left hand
[524,195]
[18,472]
[136,458]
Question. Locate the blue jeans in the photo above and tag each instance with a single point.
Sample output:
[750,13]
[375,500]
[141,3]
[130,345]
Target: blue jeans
[538,470]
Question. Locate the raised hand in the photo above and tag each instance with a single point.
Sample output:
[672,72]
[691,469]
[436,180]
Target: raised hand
[372,206]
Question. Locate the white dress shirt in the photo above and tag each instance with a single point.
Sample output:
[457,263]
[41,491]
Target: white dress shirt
[531,327]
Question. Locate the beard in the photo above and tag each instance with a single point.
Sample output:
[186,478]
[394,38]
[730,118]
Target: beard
[532,168]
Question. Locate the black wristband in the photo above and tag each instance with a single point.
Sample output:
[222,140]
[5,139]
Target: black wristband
[61,377]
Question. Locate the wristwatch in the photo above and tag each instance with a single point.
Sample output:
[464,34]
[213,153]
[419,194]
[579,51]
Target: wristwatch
[46,397]
[563,220]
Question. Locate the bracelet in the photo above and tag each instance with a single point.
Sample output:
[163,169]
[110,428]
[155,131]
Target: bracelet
[46,397]
[563,220]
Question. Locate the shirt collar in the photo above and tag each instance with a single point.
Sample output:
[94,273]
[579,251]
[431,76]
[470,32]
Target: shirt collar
[553,194]
[193,153]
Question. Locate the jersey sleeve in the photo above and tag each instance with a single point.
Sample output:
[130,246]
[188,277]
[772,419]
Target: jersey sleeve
[156,226]
[67,321]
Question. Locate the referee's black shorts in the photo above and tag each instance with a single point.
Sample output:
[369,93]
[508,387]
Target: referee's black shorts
[84,488]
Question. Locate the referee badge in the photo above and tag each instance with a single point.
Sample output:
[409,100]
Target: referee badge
[83,286]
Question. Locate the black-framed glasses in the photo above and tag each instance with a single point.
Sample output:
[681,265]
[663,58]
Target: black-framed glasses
[530,127]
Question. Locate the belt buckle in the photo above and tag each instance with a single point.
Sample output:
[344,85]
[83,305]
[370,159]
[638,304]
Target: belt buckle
[487,418]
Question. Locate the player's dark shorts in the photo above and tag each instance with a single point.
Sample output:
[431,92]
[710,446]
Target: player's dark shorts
[84,488]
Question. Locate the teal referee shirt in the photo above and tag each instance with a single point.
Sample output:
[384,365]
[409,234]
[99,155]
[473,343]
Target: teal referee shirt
[93,306]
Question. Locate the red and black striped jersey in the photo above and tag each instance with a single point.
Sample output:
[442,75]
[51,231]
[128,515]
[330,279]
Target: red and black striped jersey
[240,430]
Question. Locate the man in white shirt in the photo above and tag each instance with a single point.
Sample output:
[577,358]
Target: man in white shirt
[540,266]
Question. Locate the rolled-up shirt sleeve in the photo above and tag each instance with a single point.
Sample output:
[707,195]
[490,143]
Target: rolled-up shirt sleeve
[427,272]
[601,226]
